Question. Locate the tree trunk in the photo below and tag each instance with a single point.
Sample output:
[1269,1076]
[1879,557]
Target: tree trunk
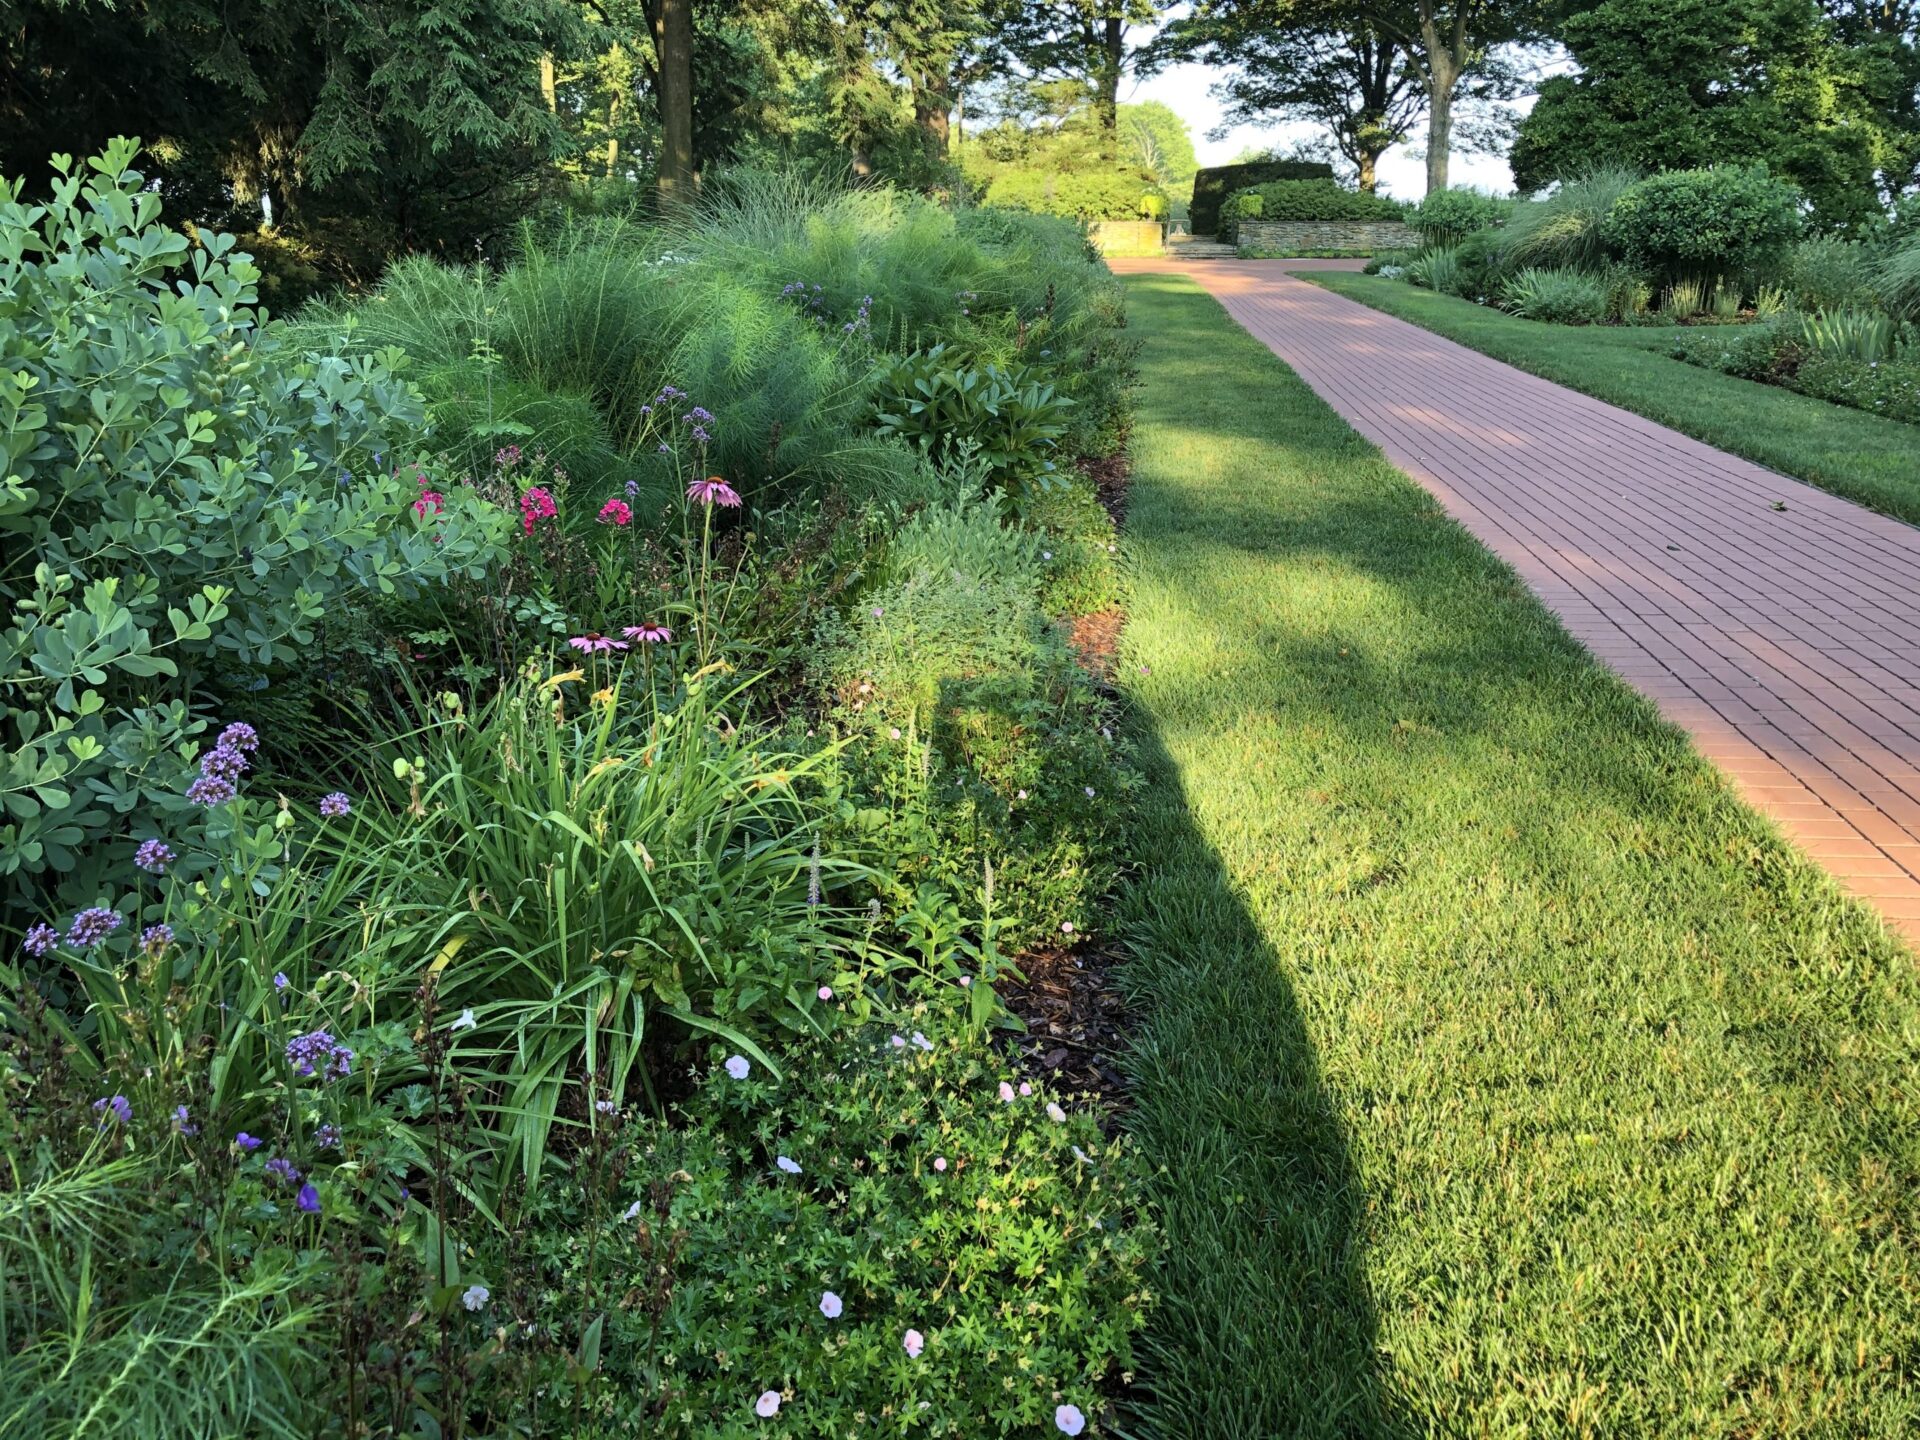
[1443,74]
[549,90]
[1106,102]
[930,110]
[1368,162]
[672,22]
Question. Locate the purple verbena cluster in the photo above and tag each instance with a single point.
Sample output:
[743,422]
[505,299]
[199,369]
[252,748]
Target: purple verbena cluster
[93,925]
[701,419]
[318,1055]
[156,937]
[334,805]
[154,856]
[40,940]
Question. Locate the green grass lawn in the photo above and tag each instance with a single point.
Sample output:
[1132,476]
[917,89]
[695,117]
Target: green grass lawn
[1503,1074]
[1864,457]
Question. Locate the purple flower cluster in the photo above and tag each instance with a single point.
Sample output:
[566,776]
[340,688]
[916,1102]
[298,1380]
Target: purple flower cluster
[334,805]
[154,856]
[115,1106]
[282,1169]
[327,1136]
[701,419]
[223,765]
[156,937]
[93,925]
[183,1123]
[862,318]
[40,940]
[318,1055]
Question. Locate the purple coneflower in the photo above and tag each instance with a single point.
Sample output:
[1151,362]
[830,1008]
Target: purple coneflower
[652,633]
[713,491]
[594,642]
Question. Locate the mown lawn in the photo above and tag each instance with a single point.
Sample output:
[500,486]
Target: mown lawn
[1864,457]
[1503,1074]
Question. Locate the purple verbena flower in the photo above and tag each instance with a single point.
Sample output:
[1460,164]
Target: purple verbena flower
[334,805]
[210,791]
[156,937]
[154,856]
[240,736]
[223,762]
[40,940]
[93,925]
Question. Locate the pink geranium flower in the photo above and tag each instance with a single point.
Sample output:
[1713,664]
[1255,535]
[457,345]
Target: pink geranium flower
[616,512]
[594,642]
[651,633]
[713,491]
[914,1342]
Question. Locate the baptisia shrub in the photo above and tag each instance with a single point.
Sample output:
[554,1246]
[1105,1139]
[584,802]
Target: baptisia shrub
[187,504]
[1728,221]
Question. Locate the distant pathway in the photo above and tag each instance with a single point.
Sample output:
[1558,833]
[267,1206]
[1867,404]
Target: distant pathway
[1786,640]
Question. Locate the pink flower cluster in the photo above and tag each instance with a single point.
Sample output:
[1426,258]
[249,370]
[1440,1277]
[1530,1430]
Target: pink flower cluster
[536,505]
[616,512]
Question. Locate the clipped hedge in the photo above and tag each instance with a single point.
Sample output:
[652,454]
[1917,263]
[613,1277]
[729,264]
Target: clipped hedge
[1083,195]
[1728,220]
[1306,200]
[1212,185]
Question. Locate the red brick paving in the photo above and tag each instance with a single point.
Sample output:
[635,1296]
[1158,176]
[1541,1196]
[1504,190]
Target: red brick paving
[1786,641]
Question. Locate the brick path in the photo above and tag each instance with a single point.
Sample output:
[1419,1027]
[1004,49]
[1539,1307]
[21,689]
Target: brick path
[1786,641]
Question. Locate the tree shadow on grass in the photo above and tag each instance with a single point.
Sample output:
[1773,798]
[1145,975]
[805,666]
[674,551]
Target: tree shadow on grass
[1264,1326]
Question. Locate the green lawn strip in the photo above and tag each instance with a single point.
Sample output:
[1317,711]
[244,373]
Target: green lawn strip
[1502,1073]
[1864,457]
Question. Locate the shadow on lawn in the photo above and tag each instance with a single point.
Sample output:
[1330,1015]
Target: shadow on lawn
[1264,1327]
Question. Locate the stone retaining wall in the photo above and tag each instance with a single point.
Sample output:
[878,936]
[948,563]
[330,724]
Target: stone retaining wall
[1358,235]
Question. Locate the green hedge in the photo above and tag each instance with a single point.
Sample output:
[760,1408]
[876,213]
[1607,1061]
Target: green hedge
[1307,200]
[1212,185]
[1087,195]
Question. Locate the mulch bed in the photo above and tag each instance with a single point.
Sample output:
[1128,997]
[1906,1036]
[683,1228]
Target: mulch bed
[1076,1024]
[1095,638]
[1109,475]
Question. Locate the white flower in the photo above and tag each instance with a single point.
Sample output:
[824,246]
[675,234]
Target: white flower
[894,732]
[476,1297]
[1056,1114]
[633,1211]
[768,1405]
[897,1042]
[792,1167]
[913,1342]
[1021,795]
[738,1067]
[465,1022]
[940,1162]
[1046,554]
[1089,792]
[830,1305]
[1068,1420]
[1081,1155]
[921,1041]
[1066,927]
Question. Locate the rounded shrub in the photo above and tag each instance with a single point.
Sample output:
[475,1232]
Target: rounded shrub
[1728,220]
[1447,217]
[1083,195]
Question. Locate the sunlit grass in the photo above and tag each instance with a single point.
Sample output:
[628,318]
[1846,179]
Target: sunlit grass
[1864,457]
[1504,1075]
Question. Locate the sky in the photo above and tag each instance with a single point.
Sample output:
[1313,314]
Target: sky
[1184,89]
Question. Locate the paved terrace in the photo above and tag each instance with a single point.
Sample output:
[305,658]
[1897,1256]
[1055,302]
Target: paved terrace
[1787,641]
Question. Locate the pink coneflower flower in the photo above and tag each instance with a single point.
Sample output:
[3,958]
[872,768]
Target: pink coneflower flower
[651,633]
[913,1342]
[594,641]
[713,491]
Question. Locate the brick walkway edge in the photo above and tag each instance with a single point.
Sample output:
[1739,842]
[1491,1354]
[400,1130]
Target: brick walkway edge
[1786,640]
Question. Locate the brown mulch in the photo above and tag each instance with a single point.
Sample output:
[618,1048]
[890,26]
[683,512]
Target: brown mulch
[1076,1024]
[1109,475]
[1095,638]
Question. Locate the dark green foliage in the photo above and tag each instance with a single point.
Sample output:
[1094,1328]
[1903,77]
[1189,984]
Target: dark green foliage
[1212,185]
[1730,221]
[1446,217]
[1006,419]
[1680,84]
[1307,200]
[1885,387]
[1557,297]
